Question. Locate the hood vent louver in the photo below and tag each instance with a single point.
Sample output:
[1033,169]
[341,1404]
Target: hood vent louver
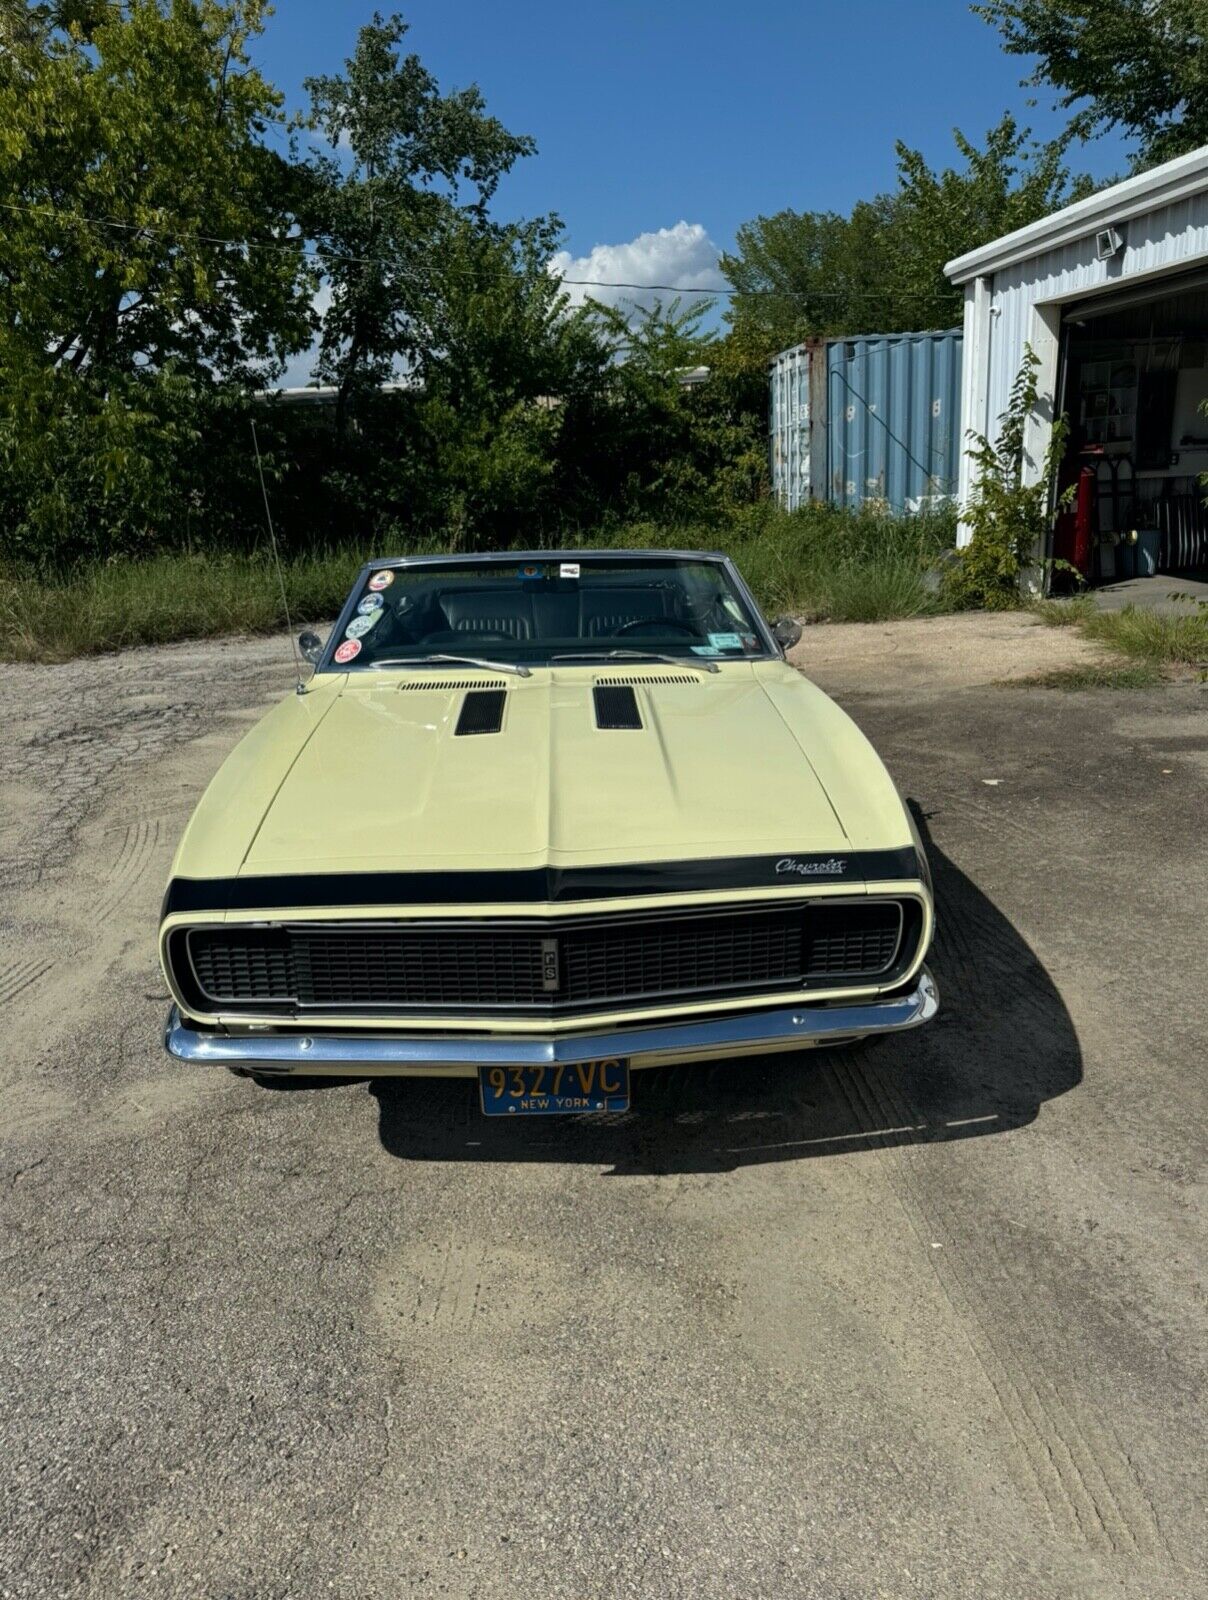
[616,706]
[619,680]
[449,683]
[481,712]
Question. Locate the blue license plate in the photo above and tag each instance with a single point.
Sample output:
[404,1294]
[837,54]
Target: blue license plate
[567,1089]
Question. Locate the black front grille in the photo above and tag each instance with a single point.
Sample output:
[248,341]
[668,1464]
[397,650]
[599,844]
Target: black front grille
[455,968]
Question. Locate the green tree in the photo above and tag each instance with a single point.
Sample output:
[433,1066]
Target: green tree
[1010,181]
[668,440]
[880,269]
[798,273]
[505,376]
[147,263]
[133,179]
[1137,65]
[407,163]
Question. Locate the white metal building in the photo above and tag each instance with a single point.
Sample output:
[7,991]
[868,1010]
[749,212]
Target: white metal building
[1112,296]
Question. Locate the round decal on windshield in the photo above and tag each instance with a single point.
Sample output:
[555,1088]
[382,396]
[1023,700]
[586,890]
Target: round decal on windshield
[371,602]
[359,626]
[348,651]
[381,580]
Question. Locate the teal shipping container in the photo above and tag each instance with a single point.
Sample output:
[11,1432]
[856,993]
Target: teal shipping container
[867,417]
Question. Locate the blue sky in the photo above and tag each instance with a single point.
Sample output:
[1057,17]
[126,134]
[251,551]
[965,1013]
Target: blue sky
[693,118]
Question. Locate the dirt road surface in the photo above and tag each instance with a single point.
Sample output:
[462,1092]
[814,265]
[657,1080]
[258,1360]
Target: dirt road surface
[920,1319]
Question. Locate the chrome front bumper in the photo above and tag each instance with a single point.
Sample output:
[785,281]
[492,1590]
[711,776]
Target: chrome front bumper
[370,1055]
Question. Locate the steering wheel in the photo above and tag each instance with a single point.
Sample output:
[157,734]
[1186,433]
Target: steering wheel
[657,623]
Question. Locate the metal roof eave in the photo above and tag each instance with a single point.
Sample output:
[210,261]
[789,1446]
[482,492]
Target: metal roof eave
[1172,181]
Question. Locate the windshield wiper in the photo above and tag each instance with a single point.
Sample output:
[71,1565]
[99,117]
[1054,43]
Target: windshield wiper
[462,661]
[636,655]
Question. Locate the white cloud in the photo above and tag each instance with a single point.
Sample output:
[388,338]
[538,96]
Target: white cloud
[684,257]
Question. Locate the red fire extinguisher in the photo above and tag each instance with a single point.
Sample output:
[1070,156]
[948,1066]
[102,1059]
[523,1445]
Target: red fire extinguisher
[1073,535]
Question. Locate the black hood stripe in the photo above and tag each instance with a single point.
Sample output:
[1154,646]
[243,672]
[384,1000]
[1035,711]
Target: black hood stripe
[537,885]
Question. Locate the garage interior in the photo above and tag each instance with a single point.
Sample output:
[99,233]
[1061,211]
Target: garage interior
[1134,375]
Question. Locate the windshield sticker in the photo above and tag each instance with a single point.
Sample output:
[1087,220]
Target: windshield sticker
[359,626]
[371,602]
[569,569]
[532,572]
[725,641]
[381,580]
[348,651]
[705,650]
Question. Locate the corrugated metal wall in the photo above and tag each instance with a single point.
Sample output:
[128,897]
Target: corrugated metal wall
[1170,237]
[887,428]
[789,427]
[893,423]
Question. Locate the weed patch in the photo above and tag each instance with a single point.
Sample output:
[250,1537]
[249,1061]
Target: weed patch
[1063,613]
[1092,675]
[1162,638]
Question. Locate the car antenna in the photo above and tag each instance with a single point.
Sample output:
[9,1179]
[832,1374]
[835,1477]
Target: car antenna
[272,534]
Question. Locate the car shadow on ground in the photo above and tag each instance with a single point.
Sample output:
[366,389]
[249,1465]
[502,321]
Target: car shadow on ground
[1001,1046]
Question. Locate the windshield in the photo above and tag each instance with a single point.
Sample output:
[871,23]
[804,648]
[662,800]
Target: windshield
[533,613]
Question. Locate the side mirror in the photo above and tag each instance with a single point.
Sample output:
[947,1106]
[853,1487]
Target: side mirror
[311,647]
[786,632]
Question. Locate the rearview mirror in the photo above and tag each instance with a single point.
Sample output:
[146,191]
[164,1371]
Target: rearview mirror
[311,647]
[786,632]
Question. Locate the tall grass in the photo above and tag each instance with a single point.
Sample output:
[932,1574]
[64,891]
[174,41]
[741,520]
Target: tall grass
[1063,613]
[851,566]
[123,603]
[821,561]
[1164,638]
[1150,639]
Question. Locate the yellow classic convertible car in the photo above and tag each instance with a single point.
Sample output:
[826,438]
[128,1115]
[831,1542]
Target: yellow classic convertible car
[543,820]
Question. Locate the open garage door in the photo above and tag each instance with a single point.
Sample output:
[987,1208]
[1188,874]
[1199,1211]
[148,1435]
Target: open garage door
[1134,384]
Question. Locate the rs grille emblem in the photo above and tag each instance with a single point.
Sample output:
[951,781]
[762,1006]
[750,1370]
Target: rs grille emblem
[549,965]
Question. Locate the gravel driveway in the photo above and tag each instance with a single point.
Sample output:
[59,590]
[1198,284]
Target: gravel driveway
[923,1318]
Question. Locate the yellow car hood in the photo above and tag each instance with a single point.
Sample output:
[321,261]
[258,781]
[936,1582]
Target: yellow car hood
[366,773]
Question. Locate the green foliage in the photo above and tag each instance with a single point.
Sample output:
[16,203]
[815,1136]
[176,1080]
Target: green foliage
[1152,638]
[1008,518]
[381,207]
[1137,65]
[1011,181]
[797,274]
[117,604]
[819,562]
[1063,613]
[1092,675]
[800,273]
[1178,638]
[152,278]
[130,151]
[656,445]
[531,418]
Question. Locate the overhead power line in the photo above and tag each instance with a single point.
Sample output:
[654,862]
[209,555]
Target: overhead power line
[321,253]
